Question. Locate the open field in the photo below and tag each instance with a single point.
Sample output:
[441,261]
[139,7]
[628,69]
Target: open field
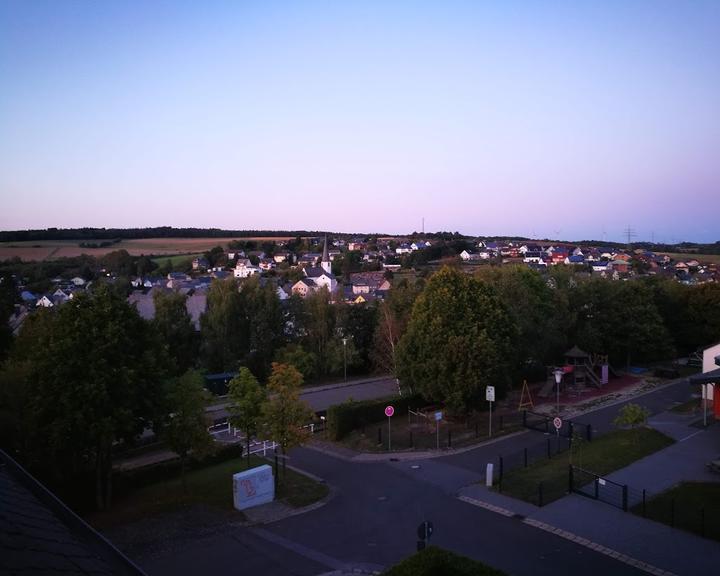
[50,250]
[684,257]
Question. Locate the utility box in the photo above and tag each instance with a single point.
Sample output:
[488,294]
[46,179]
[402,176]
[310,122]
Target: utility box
[253,487]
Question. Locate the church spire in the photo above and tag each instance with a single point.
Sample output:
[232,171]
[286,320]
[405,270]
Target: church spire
[325,262]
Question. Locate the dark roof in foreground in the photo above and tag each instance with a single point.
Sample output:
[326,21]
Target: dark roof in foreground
[40,535]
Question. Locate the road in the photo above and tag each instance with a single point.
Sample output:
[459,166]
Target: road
[370,521]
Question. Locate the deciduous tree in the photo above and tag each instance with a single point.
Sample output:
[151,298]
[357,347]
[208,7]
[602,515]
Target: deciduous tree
[247,401]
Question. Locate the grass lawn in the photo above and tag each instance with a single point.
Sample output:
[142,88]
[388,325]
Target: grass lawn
[692,406]
[176,260]
[683,505]
[211,487]
[603,455]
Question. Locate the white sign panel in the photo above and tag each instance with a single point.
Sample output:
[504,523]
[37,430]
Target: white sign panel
[438,416]
[490,393]
[253,487]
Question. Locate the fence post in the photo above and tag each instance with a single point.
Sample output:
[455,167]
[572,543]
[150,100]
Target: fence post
[379,436]
[549,453]
[570,479]
[500,467]
[625,497]
[547,425]
[525,454]
[524,418]
[597,489]
[643,507]
[702,522]
[477,429]
[501,421]
[540,494]
[412,444]
[571,429]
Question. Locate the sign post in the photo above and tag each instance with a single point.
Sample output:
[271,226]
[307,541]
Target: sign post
[424,532]
[557,422]
[490,397]
[389,411]
[438,417]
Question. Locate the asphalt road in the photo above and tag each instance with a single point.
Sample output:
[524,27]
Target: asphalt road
[372,518]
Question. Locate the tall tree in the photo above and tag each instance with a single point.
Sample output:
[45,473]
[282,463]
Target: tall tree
[460,338]
[224,327]
[184,426]
[284,414]
[175,328]
[265,324]
[246,408]
[93,381]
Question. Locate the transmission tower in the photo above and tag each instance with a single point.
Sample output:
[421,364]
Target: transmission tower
[630,233]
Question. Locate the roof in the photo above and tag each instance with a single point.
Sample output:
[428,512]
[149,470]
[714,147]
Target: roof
[707,378]
[575,352]
[40,535]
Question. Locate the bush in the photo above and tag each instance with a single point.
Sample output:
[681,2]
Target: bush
[432,561]
[348,416]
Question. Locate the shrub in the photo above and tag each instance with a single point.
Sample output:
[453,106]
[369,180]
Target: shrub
[432,561]
[346,417]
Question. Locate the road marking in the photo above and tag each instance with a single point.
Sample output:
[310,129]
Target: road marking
[304,551]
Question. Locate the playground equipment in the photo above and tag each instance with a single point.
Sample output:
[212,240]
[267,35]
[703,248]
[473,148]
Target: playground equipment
[580,369]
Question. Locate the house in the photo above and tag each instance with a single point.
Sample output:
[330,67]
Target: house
[535,257]
[303,287]
[200,263]
[575,259]
[317,277]
[467,256]
[45,301]
[281,257]
[244,269]
[404,248]
[601,266]
[77,281]
[420,245]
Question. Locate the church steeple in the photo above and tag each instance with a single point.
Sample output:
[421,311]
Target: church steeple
[325,263]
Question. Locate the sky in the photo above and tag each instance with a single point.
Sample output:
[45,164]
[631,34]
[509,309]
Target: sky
[548,119]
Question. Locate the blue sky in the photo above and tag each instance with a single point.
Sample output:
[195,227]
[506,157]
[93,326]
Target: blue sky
[550,119]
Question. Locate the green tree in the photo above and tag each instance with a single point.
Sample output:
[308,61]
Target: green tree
[246,409]
[632,416]
[264,323]
[92,381]
[459,339]
[184,426]
[175,328]
[284,414]
[224,327]
[294,354]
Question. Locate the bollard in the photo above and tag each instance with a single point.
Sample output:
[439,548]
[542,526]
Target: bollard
[489,475]
[570,479]
[540,494]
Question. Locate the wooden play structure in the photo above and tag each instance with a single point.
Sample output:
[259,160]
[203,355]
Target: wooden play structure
[580,370]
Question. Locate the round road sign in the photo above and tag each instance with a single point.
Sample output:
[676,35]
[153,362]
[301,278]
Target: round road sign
[389,411]
[557,422]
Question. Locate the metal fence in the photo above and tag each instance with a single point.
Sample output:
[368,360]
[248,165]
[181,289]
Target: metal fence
[594,486]
[544,423]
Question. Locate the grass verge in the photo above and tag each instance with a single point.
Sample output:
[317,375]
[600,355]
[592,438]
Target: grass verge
[210,487]
[432,561]
[691,506]
[603,455]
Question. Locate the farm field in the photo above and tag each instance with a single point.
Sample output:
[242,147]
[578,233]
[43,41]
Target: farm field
[50,250]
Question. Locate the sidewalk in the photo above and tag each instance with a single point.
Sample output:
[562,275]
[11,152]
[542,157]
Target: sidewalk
[656,546]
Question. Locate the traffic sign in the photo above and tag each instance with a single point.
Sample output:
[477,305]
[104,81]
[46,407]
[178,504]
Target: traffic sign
[490,393]
[438,416]
[389,411]
[557,422]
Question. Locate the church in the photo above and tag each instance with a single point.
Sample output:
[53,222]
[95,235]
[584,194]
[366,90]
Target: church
[317,277]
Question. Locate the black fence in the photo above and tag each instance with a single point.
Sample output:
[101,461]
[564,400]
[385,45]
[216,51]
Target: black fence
[594,486]
[544,423]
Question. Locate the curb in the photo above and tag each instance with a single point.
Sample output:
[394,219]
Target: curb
[594,546]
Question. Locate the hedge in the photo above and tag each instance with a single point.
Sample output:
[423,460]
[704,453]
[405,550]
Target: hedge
[348,416]
[432,561]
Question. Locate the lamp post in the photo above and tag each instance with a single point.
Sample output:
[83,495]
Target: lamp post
[558,378]
[345,358]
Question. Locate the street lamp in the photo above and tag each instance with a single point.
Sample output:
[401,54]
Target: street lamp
[345,358]
[558,378]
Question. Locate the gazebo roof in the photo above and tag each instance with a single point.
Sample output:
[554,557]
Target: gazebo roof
[575,352]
